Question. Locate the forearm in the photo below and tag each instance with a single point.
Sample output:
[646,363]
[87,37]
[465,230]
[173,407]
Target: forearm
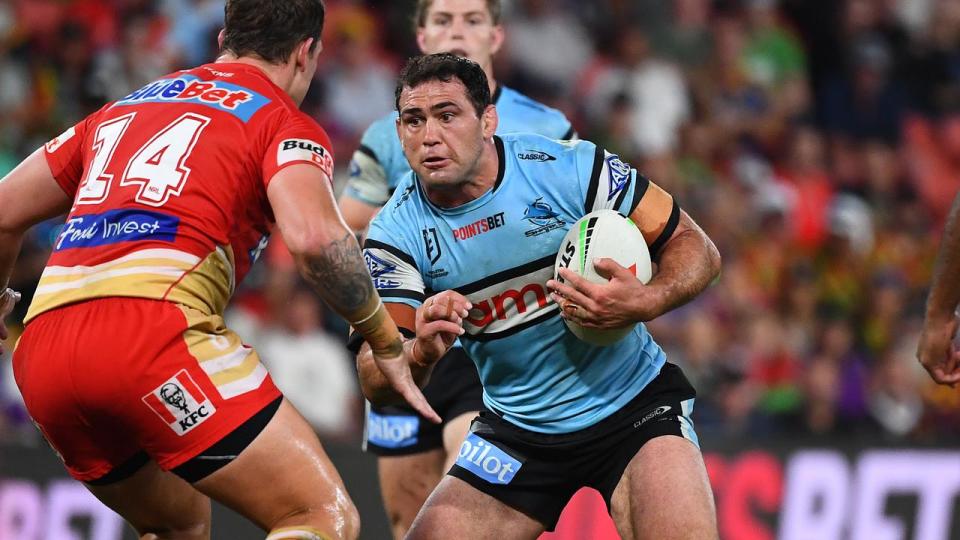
[336,271]
[688,263]
[9,249]
[945,287]
[374,384]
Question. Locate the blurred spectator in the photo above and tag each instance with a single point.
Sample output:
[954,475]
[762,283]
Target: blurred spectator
[894,402]
[547,44]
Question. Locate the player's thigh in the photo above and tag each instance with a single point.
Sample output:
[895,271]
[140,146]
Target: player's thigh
[458,510]
[405,483]
[282,473]
[665,494]
[454,432]
[158,502]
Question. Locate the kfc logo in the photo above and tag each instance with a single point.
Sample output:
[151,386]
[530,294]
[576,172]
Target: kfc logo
[180,403]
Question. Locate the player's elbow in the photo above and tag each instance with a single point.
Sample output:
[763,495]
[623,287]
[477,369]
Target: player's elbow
[310,242]
[714,261]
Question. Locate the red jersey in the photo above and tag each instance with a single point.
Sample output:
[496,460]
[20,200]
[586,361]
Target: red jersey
[169,188]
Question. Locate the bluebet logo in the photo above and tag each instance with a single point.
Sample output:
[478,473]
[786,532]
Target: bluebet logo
[236,100]
[487,461]
[392,431]
[114,226]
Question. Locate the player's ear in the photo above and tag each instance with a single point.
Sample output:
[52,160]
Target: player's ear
[303,54]
[220,36]
[489,119]
[421,40]
[497,39]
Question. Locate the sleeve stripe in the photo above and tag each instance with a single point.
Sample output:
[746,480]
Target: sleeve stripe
[623,192]
[366,150]
[639,190]
[658,244]
[569,134]
[594,180]
[401,293]
[374,244]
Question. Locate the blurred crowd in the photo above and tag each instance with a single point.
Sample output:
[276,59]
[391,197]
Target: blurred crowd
[816,141]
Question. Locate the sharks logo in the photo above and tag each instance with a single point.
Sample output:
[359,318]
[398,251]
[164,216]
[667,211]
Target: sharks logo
[377,268]
[541,214]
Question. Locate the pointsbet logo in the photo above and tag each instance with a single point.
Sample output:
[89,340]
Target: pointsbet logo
[487,461]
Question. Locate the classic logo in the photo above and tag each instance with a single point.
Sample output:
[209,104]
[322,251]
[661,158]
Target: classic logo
[535,155]
[404,196]
[619,175]
[392,431]
[654,413]
[541,214]
[377,268]
[484,459]
[479,227]
[431,243]
[180,403]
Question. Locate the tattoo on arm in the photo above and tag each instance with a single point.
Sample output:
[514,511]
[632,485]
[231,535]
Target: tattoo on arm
[340,277]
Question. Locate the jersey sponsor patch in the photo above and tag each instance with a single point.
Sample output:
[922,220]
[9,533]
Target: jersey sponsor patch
[619,175]
[114,226]
[392,431]
[58,141]
[237,100]
[484,459]
[510,303]
[290,150]
[180,403]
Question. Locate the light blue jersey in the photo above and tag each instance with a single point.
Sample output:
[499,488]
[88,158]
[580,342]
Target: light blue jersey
[499,251]
[379,164]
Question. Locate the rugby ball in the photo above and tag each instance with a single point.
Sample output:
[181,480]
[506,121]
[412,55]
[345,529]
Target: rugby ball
[597,235]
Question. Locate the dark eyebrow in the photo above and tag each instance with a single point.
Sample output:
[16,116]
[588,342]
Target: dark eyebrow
[411,110]
[444,105]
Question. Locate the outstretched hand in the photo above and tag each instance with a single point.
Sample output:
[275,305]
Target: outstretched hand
[8,299]
[439,324]
[621,301]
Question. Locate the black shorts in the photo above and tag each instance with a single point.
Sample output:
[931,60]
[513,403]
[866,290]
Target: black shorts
[537,473]
[454,389]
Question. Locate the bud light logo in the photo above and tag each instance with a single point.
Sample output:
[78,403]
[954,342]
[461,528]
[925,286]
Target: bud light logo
[487,461]
[392,431]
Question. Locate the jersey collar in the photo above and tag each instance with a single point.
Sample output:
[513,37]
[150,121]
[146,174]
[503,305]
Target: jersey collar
[479,201]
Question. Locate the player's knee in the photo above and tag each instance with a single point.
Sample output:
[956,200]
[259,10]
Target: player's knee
[341,522]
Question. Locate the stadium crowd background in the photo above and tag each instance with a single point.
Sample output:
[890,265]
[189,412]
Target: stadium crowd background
[816,141]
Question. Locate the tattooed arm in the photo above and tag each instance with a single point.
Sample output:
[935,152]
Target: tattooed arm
[329,258]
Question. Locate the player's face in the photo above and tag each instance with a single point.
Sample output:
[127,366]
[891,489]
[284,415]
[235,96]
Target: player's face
[441,134]
[461,27]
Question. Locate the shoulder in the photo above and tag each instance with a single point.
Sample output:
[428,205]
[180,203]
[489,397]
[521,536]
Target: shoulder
[535,148]
[382,132]
[521,113]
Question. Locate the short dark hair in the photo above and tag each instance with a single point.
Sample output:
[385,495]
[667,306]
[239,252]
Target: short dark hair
[445,67]
[423,6]
[271,29]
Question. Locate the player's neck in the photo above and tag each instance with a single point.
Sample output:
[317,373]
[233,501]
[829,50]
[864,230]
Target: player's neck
[277,73]
[481,180]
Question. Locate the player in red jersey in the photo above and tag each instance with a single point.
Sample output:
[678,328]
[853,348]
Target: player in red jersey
[125,363]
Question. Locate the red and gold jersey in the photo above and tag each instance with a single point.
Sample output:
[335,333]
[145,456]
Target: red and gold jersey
[169,188]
